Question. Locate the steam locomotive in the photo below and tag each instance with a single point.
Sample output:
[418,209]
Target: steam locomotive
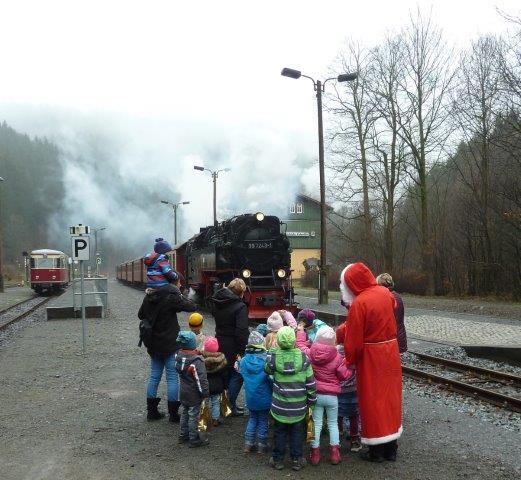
[249,246]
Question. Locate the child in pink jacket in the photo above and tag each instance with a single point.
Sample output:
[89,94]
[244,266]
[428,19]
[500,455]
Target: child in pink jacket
[329,370]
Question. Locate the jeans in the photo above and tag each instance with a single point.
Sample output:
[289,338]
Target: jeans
[233,382]
[296,440]
[157,365]
[329,404]
[189,420]
[257,427]
[215,406]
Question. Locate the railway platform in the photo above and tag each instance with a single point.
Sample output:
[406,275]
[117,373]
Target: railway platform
[490,337]
[84,417]
[14,295]
[68,304]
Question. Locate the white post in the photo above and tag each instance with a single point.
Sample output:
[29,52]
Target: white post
[83,321]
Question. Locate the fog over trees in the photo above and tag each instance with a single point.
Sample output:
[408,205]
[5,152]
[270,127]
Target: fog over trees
[425,152]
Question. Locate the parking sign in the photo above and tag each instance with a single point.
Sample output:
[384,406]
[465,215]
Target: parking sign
[80,248]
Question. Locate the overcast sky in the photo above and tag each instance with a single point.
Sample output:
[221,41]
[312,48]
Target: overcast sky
[211,61]
[164,85]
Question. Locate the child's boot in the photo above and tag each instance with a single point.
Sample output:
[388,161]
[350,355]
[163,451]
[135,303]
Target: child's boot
[314,455]
[173,411]
[262,448]
[248,447]
[355,445]
[334,454]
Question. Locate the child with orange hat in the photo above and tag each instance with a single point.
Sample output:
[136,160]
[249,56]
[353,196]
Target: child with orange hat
[195,323]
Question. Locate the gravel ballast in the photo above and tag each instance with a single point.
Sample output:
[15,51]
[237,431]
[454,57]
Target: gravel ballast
[69,416]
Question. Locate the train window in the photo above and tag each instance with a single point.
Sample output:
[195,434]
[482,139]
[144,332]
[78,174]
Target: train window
[44,263]
[300,208]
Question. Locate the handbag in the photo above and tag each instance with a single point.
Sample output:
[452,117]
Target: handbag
[310,424]
[226,406]
[205,417]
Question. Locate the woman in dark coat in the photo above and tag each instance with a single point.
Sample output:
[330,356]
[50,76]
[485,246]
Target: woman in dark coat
[385,280]
[160,306]
[231,330]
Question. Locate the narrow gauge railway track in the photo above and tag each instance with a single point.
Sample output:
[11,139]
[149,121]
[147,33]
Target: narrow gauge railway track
[20,310]
[463,379]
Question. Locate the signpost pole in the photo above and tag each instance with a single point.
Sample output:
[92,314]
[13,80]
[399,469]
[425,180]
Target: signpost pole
[82,296]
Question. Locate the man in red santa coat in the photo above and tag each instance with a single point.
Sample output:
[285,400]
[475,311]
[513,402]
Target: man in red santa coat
[370,344]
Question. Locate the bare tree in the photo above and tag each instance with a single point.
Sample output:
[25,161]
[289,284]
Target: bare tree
[353,112]
[427,77]
[476,105]
[388,146]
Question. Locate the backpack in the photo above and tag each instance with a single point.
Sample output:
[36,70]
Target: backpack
[146,326]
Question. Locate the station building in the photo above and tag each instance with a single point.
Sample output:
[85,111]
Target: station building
[303,231]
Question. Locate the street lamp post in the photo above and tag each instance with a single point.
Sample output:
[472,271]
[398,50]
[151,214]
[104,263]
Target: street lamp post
[1,245]
[96,252]
[175,206]
[215,175]
[319,87]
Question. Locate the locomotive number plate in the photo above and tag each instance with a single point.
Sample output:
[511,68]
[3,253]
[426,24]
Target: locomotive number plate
[259,245]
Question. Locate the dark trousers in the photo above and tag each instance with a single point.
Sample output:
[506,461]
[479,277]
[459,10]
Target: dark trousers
[233,384]
[295,431]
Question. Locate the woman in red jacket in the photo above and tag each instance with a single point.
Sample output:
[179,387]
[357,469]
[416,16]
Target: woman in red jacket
[371,345]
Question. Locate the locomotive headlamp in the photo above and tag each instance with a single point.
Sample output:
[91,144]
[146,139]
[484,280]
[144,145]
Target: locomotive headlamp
[259,216]
[281,273]
[246,273]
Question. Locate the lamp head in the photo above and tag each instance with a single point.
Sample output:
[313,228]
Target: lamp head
[347,77]
[291,73]
[196,167]
[165,202]
[186,203]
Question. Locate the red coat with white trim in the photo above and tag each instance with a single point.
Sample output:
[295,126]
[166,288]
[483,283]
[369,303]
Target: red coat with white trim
[370,344]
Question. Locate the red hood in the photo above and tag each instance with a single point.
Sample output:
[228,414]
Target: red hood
[358,278]
[151,258]
[321,354]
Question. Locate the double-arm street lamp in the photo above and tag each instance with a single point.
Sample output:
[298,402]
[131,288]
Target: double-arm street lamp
[175,207]
[215,174]
[319,88]
[1,249]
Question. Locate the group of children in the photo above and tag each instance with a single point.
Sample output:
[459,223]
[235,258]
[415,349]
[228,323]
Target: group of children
[292,369]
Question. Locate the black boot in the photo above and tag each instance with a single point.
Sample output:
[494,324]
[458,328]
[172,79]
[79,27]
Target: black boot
[173,409]
[152,412]
[390,450]
[373,454]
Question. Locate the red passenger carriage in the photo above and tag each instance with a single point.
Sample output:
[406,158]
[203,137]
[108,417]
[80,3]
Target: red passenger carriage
[49,270]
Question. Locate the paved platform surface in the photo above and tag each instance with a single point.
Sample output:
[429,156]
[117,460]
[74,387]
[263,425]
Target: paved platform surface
[14,295]
[67,416]
[457,328]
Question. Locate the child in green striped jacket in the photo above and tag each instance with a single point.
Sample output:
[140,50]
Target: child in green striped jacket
[294,390]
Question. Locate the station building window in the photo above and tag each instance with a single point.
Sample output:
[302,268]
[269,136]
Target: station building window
[292,208]
[300,208]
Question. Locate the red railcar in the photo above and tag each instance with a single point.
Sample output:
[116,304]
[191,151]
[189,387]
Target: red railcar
[49,270]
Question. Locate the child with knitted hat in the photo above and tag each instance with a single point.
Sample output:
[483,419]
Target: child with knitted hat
[293,393]
[195,323]
[329,369]
[275,323]
[193,388]
[307,319]
[257,386]
[214,361]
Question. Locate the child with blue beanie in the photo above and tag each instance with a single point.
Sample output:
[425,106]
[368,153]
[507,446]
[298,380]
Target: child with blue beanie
[193,389]
[257,386]
[159,270]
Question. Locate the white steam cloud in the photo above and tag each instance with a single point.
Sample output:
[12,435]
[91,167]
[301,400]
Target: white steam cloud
[116,171]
